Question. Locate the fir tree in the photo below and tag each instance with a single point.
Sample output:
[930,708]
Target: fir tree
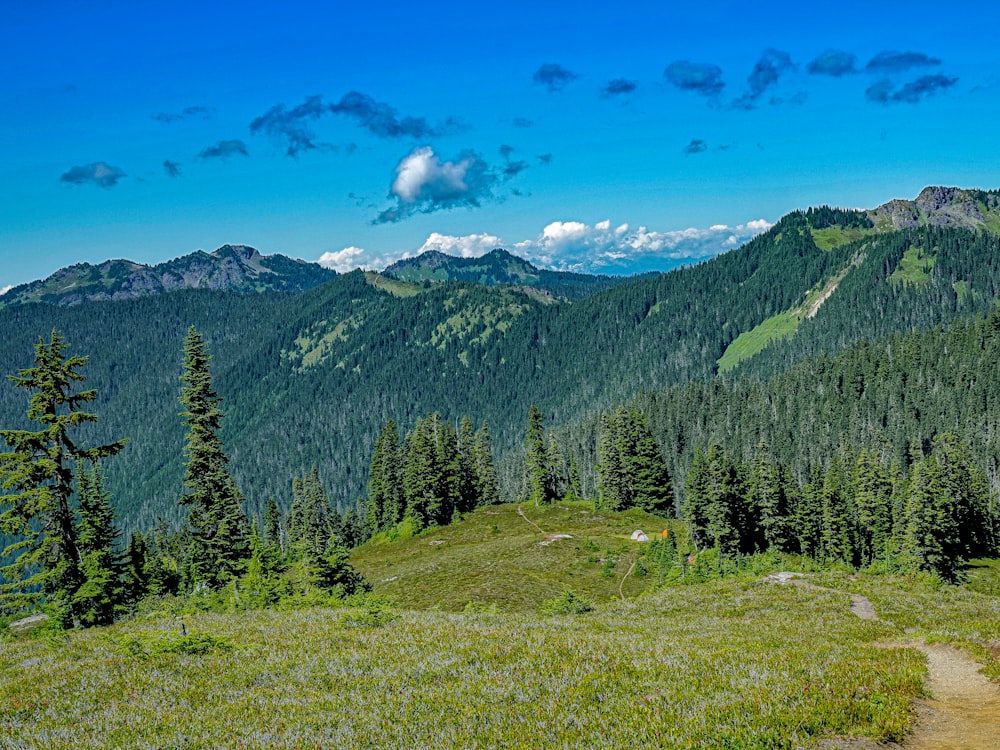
[37,479]
[873,492]
[309,520]
[385,505]
[632,472]
[272,535]
[134,578]
[538,470]
[218,524]
[486,484]
[102,594]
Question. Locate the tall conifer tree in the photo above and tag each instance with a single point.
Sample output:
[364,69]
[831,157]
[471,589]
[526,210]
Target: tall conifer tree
[218,523]
[37,479]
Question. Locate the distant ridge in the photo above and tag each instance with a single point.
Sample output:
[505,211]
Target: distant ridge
[237,268]
[941,207]
[500,267]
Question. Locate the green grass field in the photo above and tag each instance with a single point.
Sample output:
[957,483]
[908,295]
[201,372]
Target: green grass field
[465,657]
[496,557]
[753,341]
[723,665]
[828,238]
[914,267]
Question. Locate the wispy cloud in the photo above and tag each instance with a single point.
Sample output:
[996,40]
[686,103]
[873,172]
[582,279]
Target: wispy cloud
[890,61]
[696,146]
[703,78]
[6,289]
[523,122]
[884,91]
[225,149]
[833,62]
[424,184]
[291,124]
[172,168]
[96,173]
[773,63]
[618,87]
[511,166]
[385,121]
[575,246]
[554,77]
[200,112]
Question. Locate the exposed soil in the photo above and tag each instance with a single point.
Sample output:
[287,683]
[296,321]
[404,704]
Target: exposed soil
[963,711]
[520,512]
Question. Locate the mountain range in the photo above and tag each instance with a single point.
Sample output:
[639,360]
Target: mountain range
[235,268]
[308,375]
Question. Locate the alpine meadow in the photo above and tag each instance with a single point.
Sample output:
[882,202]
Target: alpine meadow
[562,375]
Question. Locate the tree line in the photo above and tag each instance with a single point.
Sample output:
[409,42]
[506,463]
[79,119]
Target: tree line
[65,553]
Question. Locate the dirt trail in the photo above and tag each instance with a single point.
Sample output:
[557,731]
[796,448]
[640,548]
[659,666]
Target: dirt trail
[963,712]
[520,512]
[621,586]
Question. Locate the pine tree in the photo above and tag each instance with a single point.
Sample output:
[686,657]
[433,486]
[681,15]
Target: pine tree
[36,477]
[385,505]
[873,493]
[272,535]
[134,578]
[219,526]
[538,477]
[101,594]
[487,485]
[309,520]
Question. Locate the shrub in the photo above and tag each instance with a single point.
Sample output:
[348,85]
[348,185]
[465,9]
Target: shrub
[567,603]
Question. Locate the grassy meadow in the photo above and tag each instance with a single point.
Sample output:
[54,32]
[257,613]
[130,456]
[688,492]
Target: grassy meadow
[720,665]
[497,557]
[465,656]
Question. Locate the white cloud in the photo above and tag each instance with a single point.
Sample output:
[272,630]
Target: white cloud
[422,176]
[573,245]
[424,184]
[6,289]
[576,246]
[468,246]
[344,260]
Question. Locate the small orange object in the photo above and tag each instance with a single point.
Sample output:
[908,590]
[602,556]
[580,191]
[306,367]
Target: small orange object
[664,534]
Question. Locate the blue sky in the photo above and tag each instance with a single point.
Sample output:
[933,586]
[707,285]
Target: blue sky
[610,137]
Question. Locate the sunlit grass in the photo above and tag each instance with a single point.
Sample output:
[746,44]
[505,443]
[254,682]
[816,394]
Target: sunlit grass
[496,557]
[720,665]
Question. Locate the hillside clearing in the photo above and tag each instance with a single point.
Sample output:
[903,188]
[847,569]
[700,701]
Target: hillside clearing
[514,557]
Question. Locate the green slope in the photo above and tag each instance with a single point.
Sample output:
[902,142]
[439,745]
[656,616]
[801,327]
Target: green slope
[497,557]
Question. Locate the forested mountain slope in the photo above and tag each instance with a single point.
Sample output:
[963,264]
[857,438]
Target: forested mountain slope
[893,396]
[500,267]
[308,379]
